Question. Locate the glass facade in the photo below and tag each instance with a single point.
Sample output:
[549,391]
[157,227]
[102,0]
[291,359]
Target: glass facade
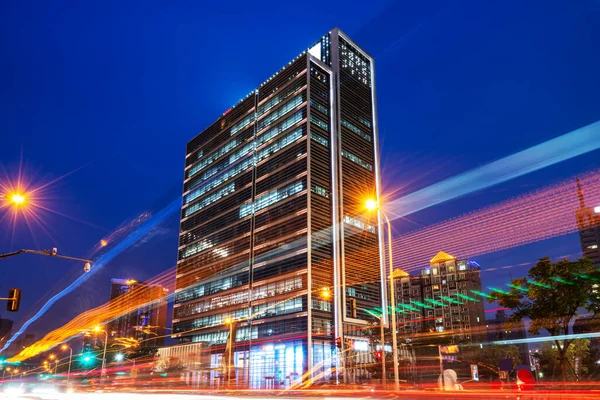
[260,238]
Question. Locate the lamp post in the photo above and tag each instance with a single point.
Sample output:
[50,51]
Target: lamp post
[382,340]
[50,253]
[372,205]
[4,373]
[98,329]
[65,347]
[229,321]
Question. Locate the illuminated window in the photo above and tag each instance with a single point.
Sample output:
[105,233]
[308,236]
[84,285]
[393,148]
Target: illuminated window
[279,144]
[197,248]
[210,199]
[359,224]
[597,209]
[318,122]
[242,124]
[280,112]
[269,104]
[355,129]
[320,191]
[355,62]
[210,159]
[271,133]
[319,139]
[319,106]
[232,159]
[271,197]
[221,179]
[593,246]
[357,160]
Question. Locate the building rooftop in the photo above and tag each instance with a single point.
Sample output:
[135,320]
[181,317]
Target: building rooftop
[441,257]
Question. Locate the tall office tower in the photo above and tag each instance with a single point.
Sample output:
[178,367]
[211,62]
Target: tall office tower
[147,322]
[440,299]
[274,236]
[588,223]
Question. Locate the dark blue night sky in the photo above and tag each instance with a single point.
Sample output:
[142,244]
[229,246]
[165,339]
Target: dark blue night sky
[118,88]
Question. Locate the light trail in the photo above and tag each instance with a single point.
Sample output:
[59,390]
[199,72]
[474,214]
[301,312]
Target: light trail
[121,305]
[569,145]
[118,248]
[535,216]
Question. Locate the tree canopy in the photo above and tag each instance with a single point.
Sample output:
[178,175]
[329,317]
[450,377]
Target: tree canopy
[550,296]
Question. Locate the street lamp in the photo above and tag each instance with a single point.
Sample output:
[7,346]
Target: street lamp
[5,370]
[65,347]
[50,253]
[373,205]
[17,199]
[97,329]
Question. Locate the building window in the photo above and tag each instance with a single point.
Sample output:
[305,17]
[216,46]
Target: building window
[214,156]
[357,160]
[317,121]
[359,224]
[593,246]
[210,199]
[236,170]
[269,104]
[319,106]
[319,139]
[320,191]
[271,197]
[242,124]
[280,112]
[271,133]
[355,129]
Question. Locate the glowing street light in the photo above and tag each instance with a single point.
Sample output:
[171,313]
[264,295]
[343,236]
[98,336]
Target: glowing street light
[119,357]
[16,199]
[325,293]
[371,205]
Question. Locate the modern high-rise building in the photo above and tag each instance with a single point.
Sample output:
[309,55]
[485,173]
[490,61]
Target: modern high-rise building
[588,223]
[274,235]
[442,299]
[145,323]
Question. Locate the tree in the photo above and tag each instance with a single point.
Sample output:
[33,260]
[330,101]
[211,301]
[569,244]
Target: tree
[577,353]
[551,296]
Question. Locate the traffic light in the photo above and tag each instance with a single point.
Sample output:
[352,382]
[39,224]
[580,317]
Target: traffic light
[378,355]
[338,342]
[14,300]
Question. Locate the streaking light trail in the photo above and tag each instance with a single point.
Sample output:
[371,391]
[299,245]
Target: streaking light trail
[535,216]
[118,248]
[569,145]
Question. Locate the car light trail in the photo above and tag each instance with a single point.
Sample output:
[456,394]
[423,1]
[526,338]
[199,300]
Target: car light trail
[535,216]
[117,249]
[569,145]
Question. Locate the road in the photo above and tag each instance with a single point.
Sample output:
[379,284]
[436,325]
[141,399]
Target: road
[310,395]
